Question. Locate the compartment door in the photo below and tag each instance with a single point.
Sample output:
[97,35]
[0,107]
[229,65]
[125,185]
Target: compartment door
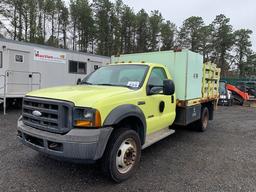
[18,75]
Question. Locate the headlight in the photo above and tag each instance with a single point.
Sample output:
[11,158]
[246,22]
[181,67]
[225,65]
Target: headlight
[86,117]
[229,94]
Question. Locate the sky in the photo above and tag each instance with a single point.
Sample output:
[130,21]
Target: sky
[242,13]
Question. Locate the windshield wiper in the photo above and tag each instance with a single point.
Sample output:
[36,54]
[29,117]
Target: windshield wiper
[85,83]
[108,84]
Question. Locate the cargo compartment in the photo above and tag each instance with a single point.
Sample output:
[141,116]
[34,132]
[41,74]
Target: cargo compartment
[184,66]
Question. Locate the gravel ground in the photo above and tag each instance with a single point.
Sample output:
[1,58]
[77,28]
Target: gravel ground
[221,159]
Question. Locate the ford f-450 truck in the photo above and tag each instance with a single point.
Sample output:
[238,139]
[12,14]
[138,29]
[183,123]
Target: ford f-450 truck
[120,109]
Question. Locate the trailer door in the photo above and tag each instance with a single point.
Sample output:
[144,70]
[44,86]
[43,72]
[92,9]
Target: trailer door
[18,75]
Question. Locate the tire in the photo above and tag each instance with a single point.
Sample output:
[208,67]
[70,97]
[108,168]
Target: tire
[230,102]
[239,99]
[122,155]
[202,123]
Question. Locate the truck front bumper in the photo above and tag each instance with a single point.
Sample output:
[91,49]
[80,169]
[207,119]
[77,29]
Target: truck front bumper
[77,144]
[223,101]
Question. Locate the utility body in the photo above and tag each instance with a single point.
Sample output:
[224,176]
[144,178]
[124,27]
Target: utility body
[120,109]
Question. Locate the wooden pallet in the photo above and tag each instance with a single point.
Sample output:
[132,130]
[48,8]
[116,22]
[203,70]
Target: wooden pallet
[210,81]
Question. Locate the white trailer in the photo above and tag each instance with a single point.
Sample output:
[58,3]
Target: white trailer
[27,66]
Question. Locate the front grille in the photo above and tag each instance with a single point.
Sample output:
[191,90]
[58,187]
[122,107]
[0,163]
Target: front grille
[48,115]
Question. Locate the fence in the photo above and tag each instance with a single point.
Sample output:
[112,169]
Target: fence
[236,81]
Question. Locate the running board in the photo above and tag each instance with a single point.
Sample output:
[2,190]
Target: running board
[157,136]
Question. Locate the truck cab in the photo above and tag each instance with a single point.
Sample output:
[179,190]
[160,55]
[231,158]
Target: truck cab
[111,115]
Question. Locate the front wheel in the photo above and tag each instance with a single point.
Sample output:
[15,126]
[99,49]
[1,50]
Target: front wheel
[122,155]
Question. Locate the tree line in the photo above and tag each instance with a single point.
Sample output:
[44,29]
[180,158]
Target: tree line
[107,28]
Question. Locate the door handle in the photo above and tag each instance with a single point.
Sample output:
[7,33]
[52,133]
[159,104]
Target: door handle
[30,75]
[141,103]
[161,106]
[172,99]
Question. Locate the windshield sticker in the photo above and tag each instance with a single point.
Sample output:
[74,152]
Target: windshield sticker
[134,84]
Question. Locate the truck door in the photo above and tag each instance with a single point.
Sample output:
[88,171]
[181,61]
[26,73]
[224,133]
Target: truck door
[18,77]
[161,107]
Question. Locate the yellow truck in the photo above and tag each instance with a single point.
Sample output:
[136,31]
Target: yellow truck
[120,109]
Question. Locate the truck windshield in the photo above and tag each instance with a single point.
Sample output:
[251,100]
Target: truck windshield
[222,88]
[131,76]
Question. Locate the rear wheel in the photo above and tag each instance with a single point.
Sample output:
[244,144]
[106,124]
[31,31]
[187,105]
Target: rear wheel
[202,123]
[122,155]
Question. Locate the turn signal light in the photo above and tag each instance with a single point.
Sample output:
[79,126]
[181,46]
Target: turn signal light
[83,123]
[95,121]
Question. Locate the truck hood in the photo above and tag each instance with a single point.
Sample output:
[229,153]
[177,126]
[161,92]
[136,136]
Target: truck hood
[80,95]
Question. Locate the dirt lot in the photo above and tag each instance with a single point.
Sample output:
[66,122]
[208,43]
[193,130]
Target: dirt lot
[221,159]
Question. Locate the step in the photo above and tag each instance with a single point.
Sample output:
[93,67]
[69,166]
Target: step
[157,136]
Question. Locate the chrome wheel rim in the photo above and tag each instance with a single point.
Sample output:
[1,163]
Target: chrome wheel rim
[126,156]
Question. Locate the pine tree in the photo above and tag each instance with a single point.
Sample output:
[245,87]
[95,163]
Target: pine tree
[142,31]
[50,9]
[222,40]
[32,10]
[155,21]
[104,26]
[85,24]
[168,31]
[242,49]
[74,22]
[205,44]
[189,35]
[128,27]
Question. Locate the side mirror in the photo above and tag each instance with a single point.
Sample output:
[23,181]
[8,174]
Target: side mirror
[96,67]
[169,87]
[78,81]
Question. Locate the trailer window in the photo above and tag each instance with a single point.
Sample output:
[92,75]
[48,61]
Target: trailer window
[72,67]
[77,67]
[1,59]
[82,68]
